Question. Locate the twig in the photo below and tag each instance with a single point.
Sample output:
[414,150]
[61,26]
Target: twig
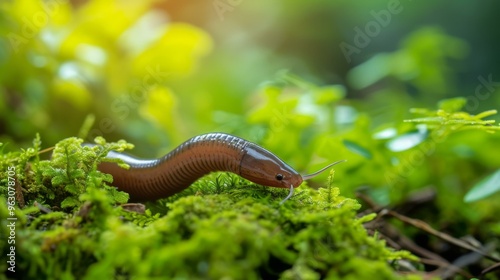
[450,239]
[490,269]
[397,240]
[42,208]
[134,207]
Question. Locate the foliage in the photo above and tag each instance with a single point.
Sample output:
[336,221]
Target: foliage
[230,229]
[485,188]
[422,61]
[64,61]
[62,180]
[156,73]
[450,118]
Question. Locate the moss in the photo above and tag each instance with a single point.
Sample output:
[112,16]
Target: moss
[221,227]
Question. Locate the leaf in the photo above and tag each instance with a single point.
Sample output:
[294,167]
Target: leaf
[78,173]
[72,188]
[329,94]
[354,147]
[69,202]
[119,196]
[452,105]
[366,218]
[485,188]
[386,133]
[123,165]
[426,120]
[406,141]
[58,180]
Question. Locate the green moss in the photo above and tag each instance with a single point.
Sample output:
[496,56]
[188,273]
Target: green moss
[221,227]
[449,117]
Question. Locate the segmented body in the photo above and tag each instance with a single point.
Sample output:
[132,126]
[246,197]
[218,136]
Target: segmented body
[151,179]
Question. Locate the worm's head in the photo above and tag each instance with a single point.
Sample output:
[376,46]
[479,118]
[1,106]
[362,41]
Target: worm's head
[263,167]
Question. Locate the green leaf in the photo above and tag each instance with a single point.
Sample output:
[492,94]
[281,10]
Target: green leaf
[119,196]
[386,133]
[329,94]
[367,218]
[69,202]
[452,105]
[406,141]
[72,188]
[354,147]
[58,180]
[485,188]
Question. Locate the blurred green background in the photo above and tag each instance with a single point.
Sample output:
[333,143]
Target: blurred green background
[158,72]
[312,81]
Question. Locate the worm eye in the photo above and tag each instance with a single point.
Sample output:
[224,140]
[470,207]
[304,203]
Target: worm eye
[279,177]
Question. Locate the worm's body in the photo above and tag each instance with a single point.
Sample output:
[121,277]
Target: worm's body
[152,179]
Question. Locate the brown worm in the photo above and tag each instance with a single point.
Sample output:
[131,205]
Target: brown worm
[152,179]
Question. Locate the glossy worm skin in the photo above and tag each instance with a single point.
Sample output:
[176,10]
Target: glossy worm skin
[151,179]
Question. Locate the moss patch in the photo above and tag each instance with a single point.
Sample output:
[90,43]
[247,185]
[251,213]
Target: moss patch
[221,227]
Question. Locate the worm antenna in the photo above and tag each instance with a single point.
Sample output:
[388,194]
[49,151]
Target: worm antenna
[309,176]
[288,196]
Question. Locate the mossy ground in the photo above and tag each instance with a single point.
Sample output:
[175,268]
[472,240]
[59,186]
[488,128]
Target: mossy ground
[222,227]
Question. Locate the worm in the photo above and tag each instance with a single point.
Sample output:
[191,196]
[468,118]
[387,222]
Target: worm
[152,179]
